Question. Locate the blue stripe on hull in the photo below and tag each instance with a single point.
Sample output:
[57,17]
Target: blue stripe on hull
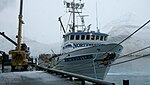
[76,58]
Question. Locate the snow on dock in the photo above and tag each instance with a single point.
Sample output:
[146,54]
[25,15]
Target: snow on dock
[33,78]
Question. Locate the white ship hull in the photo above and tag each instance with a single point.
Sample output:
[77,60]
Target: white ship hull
[89,61]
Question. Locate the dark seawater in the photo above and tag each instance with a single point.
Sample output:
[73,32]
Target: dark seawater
[137,72]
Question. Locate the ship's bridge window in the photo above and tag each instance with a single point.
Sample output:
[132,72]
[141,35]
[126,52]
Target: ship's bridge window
[87,37]
[77,37]
[105,38]
[97,37]
[82,37]
[92,37]
[72,37]
[101,38]
[65,39]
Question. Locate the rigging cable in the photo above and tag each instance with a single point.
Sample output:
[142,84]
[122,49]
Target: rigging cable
[135,32]
[133,52]
[130,60]
[80,17]
[97,18]
[126,38]
[94,68]
[68,21]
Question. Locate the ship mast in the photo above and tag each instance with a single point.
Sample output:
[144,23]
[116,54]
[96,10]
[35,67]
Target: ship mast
[73,7]
[73,10]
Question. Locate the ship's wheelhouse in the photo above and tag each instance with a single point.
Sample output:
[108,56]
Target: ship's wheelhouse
[85,36]
[83,39]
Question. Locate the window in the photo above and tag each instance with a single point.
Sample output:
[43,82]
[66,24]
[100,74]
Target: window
[87,37]
[72,37]
[97,37]
[101,38]
[77,37]
[105,38]
[92,37]
[82,37]
[65,39]
[68,37]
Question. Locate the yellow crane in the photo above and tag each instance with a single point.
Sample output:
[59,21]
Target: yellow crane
[19,56]
[23,48]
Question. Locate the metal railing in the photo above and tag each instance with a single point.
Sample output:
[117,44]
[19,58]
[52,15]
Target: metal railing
[79,77]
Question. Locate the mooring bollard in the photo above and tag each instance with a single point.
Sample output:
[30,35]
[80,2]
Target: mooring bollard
[113,83]
[70,78]
[82,82]
[2,65]
[125,82]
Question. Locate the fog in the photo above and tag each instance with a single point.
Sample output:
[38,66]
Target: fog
[41,16]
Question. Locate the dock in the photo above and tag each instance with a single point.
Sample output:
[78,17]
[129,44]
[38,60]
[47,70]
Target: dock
[46,76]
[32,78]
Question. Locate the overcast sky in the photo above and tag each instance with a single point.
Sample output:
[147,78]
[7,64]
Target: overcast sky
[41,16]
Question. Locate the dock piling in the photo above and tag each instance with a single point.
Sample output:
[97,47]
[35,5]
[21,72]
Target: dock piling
[125,82]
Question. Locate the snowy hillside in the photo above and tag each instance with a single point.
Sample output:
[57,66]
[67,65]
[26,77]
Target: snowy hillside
[138,41]
[36,48]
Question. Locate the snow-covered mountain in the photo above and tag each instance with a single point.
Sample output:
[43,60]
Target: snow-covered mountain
[123,29]
[40,48]
[36,48]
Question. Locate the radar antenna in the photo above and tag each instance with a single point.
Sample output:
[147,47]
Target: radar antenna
[74,7]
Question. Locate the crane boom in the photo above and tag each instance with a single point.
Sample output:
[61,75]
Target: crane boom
[20,26]
[3,34]
[59,19]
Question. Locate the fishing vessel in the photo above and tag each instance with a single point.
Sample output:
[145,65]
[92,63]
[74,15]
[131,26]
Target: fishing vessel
[85,52]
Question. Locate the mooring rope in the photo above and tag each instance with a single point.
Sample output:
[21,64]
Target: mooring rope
[94,68]
[127,37]
[130,60]
[134,52]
